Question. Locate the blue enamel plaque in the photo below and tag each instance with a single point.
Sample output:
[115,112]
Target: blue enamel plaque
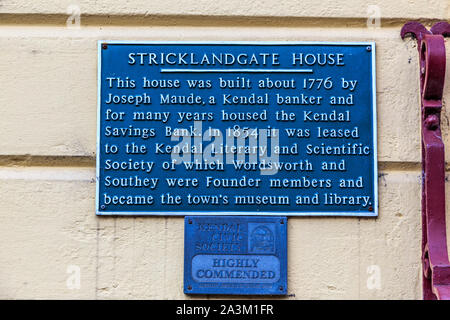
[234,128]
[235,255]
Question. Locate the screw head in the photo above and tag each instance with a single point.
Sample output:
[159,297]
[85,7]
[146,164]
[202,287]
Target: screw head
[369,48]
[189,288]
[104,46]
[281,288]
[102,207]
[370,208]
[190,221]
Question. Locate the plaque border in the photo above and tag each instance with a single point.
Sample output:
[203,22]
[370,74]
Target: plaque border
[373,213]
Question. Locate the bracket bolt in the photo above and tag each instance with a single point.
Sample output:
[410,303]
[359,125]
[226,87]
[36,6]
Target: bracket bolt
[432,122]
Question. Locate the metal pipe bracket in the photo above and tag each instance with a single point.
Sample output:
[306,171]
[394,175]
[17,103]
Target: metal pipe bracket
[432,59]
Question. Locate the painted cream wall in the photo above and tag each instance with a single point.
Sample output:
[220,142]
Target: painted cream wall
[48,139]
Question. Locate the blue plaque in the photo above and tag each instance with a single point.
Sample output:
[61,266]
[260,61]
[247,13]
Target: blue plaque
[235,255]
[229,128]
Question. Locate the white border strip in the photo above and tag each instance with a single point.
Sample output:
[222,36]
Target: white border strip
[256,43]
[374,128]
[374,213]
[236,71]
[99,106]
[236,213]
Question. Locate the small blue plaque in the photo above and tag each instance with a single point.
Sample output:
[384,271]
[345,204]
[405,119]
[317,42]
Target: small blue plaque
[235,255]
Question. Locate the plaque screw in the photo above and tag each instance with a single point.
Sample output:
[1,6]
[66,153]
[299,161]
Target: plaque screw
[104,46]
[370,208]
[190,221]
[282,221]
[369,48]
[102,207]
[280,288]
[189,288]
